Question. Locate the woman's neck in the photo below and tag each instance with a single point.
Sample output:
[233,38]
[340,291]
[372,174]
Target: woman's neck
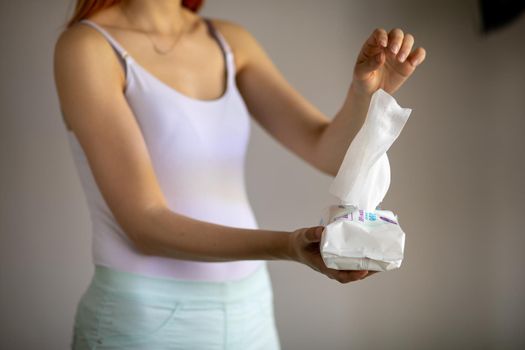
[154,16]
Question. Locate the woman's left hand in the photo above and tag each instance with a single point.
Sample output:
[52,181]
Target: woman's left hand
[386,61]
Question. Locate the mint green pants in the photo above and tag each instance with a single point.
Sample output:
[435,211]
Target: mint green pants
[120,310]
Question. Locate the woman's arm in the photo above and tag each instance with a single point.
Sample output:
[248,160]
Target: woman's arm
[286,115]
[339,133]
[90,82]
[294,121]
[166,233]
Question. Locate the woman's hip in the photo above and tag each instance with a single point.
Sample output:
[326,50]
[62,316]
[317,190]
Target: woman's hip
[124,310]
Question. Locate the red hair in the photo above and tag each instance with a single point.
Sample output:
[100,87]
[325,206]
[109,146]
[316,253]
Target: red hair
[86,8]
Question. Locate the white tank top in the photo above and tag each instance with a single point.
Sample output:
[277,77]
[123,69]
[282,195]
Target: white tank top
[198,149]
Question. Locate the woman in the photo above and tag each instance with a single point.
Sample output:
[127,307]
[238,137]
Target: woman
[156,101]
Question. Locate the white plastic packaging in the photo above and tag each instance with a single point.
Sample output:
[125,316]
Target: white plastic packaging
[357,236]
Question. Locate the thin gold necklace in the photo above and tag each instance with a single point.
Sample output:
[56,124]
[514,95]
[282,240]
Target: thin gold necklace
[159,51]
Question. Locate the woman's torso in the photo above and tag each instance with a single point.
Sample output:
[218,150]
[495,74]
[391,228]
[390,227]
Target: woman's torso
[197,148]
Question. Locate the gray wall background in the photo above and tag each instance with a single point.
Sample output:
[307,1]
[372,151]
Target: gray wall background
[457,180]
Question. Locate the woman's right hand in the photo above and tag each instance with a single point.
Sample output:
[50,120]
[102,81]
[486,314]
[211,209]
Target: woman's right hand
[305,248]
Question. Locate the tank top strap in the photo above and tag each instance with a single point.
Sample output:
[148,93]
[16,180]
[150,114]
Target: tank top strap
[122,52]
[220,38]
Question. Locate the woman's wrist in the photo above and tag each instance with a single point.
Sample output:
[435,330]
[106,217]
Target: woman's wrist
[282,247]
[358,91]
[290,252]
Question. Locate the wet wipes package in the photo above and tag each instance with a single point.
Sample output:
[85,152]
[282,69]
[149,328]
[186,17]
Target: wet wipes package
[357,235]
[355,239]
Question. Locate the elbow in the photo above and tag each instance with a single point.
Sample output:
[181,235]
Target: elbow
[139,228]
[141,244]
[140,241]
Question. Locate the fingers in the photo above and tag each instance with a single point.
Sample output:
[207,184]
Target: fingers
[417,56]
[372,54]
[373,45]
[382,46]
[370,273]
[381,37]
[395,39]
[313,235]
[406,47]
[344,276]
[400,45]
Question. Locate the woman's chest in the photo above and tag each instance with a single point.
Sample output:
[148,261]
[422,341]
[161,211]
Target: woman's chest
[186,127]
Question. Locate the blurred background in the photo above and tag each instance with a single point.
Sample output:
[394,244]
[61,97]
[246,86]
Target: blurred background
[457,177]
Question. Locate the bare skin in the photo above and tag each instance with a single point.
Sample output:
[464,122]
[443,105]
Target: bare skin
[90,83]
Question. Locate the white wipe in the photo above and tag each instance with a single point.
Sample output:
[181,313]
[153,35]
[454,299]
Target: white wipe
[356,235]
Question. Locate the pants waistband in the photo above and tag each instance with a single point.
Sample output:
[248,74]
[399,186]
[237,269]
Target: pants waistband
[130,284]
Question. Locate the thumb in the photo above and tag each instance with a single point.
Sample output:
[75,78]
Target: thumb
[314,234]
[367,66]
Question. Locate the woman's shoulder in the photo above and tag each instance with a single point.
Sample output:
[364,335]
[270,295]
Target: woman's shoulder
[233,31]
[240,39]
[79,35]
[81,47]
[81,52]
[80,39]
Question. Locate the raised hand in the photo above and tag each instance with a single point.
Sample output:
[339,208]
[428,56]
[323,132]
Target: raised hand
[386,60]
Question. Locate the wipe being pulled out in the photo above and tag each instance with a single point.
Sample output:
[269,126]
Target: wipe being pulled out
[358,236]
